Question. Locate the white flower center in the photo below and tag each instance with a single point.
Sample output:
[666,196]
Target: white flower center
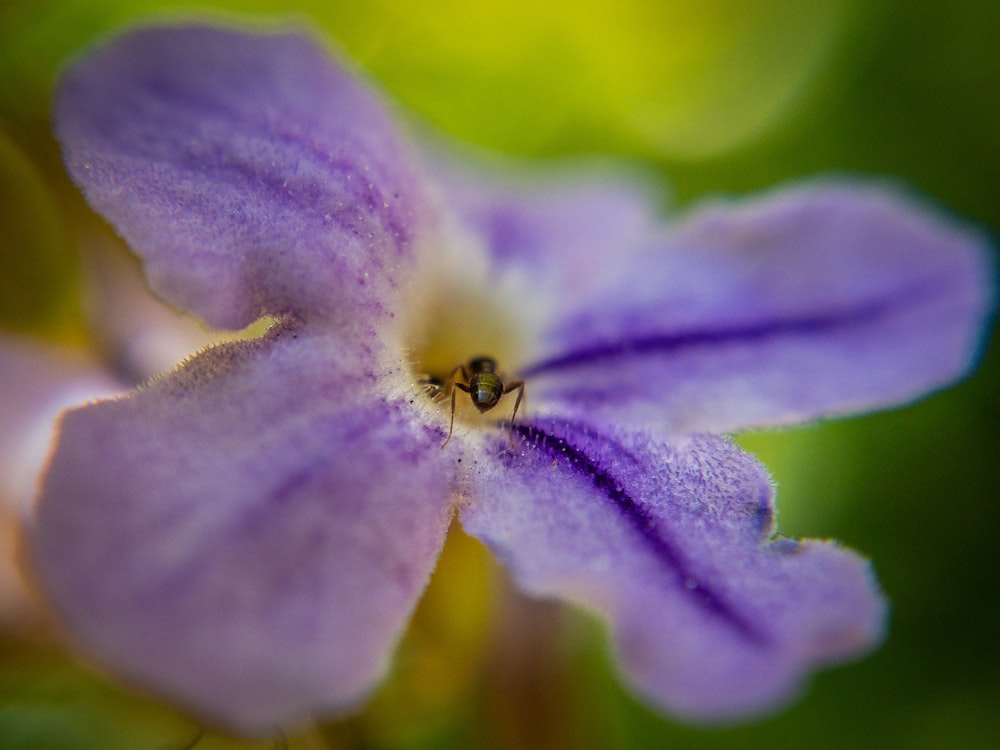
[456,312]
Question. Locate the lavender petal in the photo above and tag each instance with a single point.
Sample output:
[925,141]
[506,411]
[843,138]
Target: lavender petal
[248,535]
[39,381]
[252,174]
[815,301]
[560,231]
[714,616]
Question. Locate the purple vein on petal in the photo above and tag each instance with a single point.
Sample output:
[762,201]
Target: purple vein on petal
[644,524]
[666,343]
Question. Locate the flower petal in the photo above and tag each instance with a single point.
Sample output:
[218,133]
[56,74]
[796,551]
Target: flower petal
[247,535]
[137,335]
[252,174]
[713,617]
[39,381]
[817,300]
[555,230]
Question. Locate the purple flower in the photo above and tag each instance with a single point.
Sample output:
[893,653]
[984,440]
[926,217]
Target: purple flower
[248,534]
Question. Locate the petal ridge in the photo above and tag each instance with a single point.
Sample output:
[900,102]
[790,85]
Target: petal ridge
[603,352]
[798,605]
[639,518]
[815,301]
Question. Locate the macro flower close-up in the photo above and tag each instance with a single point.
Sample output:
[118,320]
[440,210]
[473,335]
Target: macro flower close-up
[544,360]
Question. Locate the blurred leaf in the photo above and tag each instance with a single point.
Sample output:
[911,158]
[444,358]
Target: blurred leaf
[38,270]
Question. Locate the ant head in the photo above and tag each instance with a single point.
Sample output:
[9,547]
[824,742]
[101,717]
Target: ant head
[482,364]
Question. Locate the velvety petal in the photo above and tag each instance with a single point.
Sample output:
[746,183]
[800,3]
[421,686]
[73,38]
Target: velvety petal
[558,231]
[714,618]
[137,335]
[248,535]
[252,174]
[817,300]
[39,381]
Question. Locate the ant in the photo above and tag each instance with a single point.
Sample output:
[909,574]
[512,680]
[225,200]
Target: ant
[480,380]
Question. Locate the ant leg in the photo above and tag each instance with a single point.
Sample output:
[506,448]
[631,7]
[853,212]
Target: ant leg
[454,386]
[452,379]
[439,389]
[519,387]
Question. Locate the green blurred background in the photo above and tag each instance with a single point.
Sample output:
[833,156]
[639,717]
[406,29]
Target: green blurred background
[712,96]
